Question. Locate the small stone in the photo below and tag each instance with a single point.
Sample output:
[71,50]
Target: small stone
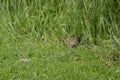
[76,58]
[25,60]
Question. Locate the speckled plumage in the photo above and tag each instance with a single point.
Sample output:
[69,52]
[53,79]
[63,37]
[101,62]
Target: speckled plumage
[72,42]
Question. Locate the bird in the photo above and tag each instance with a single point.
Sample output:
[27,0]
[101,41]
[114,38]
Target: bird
[72,41]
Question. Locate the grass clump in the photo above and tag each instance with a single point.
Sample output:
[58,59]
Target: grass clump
[94,19]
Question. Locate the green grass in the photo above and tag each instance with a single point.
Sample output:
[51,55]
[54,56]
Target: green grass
[32,29]
[93,19]
[55,61]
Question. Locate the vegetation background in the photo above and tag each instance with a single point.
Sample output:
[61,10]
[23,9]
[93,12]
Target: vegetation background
[26,24]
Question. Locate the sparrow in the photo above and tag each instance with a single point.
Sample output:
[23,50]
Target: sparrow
[73,41]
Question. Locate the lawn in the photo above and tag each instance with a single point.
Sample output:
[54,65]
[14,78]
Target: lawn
[55,61]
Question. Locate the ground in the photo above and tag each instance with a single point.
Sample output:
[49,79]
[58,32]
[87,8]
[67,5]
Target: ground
[55,61]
